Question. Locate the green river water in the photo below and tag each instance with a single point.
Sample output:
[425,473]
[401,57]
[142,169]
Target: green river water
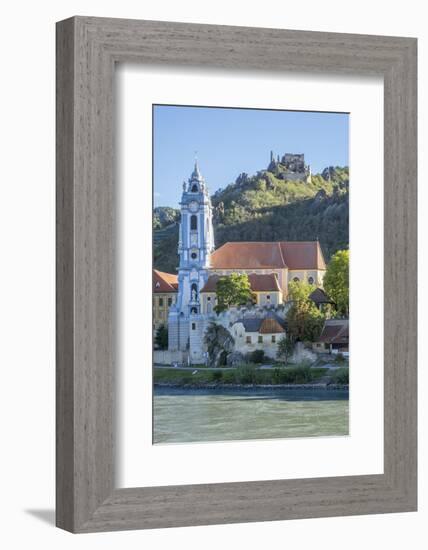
[182,415]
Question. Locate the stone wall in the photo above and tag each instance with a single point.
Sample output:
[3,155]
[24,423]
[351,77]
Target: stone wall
[166,357]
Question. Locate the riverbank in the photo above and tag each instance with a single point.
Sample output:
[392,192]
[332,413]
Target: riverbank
[251,376]
[245,387]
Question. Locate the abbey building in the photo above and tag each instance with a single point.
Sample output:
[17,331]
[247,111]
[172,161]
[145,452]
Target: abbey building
[192,296]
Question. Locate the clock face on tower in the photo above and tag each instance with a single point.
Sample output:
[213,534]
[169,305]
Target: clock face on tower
[193,206]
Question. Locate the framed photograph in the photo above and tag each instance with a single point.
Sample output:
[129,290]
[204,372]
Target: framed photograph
[236,274]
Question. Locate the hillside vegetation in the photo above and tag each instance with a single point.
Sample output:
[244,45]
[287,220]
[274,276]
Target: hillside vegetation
[265,207]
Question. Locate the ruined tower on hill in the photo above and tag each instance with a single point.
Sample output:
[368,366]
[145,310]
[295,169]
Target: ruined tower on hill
[290,167]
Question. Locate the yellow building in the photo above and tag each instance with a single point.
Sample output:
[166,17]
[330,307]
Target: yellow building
[264,286]
[165,288]
[287,260]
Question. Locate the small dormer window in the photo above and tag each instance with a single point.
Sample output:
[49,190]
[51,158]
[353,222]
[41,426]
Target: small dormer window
[157,285]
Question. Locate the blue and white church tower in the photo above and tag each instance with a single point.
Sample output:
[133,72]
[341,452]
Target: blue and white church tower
[196,243]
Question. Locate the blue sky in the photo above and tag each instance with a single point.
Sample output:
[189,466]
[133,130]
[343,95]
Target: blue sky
[231,141]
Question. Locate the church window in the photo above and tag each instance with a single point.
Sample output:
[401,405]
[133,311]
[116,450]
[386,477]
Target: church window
[194,188]
[193,222]
[311,280]
[248,339]
[260,339]
[193,326]
[193,311]
[296,279]
[209,298]
[268,297]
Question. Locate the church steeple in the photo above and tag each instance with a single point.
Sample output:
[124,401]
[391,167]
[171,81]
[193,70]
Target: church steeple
[196,241]
[196,182]
[196,173]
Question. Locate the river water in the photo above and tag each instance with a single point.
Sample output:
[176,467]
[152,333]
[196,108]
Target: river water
[182,415]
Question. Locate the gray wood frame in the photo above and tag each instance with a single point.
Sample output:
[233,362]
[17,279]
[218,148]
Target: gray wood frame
[87,50]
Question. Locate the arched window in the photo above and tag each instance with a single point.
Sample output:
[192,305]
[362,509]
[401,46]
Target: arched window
[296,279]
[194,188]
[311,280]
[193,222]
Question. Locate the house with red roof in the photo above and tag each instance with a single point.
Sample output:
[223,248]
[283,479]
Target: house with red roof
[165,289]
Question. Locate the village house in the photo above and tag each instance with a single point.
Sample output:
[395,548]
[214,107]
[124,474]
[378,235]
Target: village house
[255,333]
[334,337]
[165,289]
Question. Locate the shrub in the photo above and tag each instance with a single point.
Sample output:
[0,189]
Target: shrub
[246,374]
[228,376]
[303,374]
[292,375]
[341,376]
[257,356]
[217,375]
[161,338]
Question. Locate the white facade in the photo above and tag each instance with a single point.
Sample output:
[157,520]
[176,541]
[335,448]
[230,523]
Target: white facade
[196,242]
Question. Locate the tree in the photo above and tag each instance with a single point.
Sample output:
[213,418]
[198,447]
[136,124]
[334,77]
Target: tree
[285,348]
[304,319]
[233,290]
[300,290]
[336,281]
[161,338]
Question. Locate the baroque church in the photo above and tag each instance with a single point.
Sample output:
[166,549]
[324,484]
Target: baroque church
[192,294]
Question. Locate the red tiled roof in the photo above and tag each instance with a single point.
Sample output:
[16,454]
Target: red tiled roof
[335,332]
[258,283]
[164,282]
[270,326]
[262,255]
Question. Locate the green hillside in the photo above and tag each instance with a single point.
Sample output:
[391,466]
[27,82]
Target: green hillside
[265,207]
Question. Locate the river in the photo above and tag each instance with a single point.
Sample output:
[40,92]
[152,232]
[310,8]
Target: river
[183,415]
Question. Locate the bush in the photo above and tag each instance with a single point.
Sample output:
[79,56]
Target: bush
[161,338]
[257,356]
[341,376]
[246,374]
[292,375]
[217,375]
[303,374]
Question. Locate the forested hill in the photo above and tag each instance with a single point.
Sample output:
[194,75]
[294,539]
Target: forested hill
[265,207]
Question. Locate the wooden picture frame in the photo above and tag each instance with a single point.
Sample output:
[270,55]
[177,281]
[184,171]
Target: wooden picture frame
[87,50]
